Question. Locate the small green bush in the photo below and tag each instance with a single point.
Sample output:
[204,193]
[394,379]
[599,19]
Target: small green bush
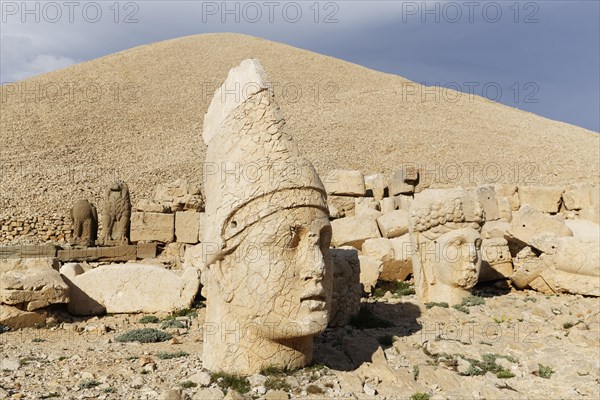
[231,381]
[488,364]
[171,323]
[316,367]
[504,374]
[277,383]
[545,371]
[271,370]
[435,304]
[146,335]
[471,301]
[167,356]
[88,383]
[398,288]
[50,395]
[38,340]
[188,384]
[420,396]
[109,390]
[461,308]
[149,319]
[186,312]
[415,372]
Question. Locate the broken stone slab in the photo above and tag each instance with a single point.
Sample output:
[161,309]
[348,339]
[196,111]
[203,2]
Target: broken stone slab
[376,186]
[590,214]
[510,193]
[387,205]
[106,254]
[404,250]
[347,288]
[187,226]
[370,269]
[573,268]
[527,267]
[147,250]
[496,260]
[404,181]
[536,228]
[71,270]
[584,230]
[33,289]
[577,197]
[131,288]
[28,251]
[395,254]
[353,231]
[345,182]
[393,224]
[504,209]
[402,202]
[340,206]
[145,205]
[17,319]
[366,207]
[487,197]
[544,198]
[27,264]
[495,229]
[157,227]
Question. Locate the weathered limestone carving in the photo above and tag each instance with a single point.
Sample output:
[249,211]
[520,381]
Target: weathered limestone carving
[116,214]
[445,225]
[347,289]
[84,219]
[267,267]
[496,260]
[573,268]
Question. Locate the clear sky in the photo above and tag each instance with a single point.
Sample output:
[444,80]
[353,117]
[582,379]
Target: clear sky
[539,56]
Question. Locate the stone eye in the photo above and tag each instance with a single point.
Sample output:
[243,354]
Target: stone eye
[293,238]
[325,237]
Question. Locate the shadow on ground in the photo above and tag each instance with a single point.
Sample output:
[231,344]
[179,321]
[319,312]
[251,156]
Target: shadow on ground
[346,348]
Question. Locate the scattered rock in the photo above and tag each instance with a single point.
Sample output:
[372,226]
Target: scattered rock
[347,183]
[353,231]
[212,393]
[369,389]
[130,288]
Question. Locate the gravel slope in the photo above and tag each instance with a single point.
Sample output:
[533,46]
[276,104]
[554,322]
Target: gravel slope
[137,115]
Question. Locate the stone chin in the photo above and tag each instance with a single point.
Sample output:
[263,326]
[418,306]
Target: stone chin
[469,278]
[308,323]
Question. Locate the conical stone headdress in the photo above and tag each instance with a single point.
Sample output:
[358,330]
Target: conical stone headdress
[253,168]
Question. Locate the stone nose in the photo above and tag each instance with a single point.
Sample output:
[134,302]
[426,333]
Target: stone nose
[472,253]
[313,264]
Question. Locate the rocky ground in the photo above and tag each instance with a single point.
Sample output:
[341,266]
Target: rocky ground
[520,345]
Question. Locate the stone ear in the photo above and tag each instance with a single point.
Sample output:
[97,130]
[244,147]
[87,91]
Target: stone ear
[428,271]
[222,280]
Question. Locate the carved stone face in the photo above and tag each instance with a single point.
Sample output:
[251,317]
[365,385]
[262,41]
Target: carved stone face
[283,275]
[456,257]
